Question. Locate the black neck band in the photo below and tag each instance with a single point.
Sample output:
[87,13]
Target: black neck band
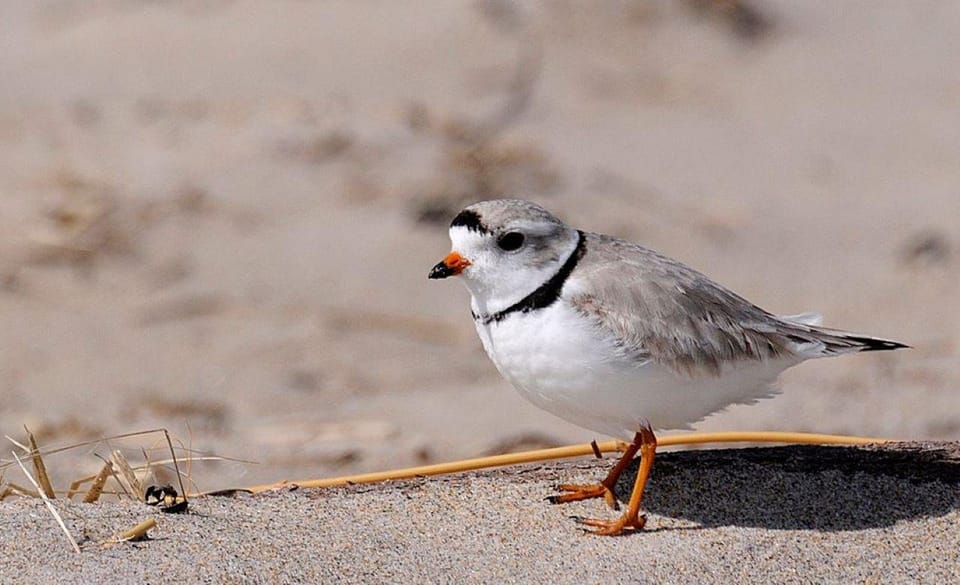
[547,293]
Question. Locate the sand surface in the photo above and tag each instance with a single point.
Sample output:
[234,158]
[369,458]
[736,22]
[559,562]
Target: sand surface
[217,217]
[772,515]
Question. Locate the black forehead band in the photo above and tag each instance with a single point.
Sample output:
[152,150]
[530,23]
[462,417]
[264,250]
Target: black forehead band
[470,220]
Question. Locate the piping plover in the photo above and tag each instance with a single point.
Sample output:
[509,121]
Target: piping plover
[617,338]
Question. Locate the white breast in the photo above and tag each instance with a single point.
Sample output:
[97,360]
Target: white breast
[561,362]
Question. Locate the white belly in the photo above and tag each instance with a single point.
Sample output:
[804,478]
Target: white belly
[560,362]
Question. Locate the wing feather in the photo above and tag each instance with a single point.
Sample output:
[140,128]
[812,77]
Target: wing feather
[661,310]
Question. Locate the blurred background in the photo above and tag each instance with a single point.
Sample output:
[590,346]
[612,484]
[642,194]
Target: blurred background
[218,216]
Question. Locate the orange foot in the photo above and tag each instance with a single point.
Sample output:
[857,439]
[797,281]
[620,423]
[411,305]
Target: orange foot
[613,527]
[577,492]
[644,441]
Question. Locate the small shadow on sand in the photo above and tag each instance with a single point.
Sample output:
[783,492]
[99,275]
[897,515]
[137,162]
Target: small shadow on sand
[803,488]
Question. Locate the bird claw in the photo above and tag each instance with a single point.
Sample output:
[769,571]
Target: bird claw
[612,527]
[577,492]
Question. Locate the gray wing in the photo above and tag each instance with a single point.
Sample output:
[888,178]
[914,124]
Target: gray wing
[661,310]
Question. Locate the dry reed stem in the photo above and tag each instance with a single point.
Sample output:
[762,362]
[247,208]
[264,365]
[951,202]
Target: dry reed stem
[176,467]
[96,489]
[573,451]
[39,468]
[138,532]
[25,448]
[74,488]
[22,491]
[126,476]
[49,503]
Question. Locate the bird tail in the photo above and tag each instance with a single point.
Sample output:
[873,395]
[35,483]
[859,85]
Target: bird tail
[814,340]
[866,343]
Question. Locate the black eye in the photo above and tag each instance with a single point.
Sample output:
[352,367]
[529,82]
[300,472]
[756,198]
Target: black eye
[510,241]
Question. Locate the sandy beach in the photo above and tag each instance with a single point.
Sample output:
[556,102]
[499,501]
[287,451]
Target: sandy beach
[778,515]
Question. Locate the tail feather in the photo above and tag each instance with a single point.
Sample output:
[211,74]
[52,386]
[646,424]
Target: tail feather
[875,343]
[816,341]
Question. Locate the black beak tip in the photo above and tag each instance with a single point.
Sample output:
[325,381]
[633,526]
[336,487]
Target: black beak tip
[441,270]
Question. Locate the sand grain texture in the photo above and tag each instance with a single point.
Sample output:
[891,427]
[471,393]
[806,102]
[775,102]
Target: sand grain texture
[780,515]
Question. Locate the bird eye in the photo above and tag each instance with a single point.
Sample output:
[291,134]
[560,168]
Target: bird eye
[510,241]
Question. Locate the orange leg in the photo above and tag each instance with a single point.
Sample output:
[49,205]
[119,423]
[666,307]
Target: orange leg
[604,489]
[631,519]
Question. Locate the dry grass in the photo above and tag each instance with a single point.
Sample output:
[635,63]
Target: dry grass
[117,477]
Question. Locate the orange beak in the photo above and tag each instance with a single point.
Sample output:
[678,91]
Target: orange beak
[452,265]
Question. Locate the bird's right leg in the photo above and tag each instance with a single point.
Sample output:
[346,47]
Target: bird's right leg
[604,489]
